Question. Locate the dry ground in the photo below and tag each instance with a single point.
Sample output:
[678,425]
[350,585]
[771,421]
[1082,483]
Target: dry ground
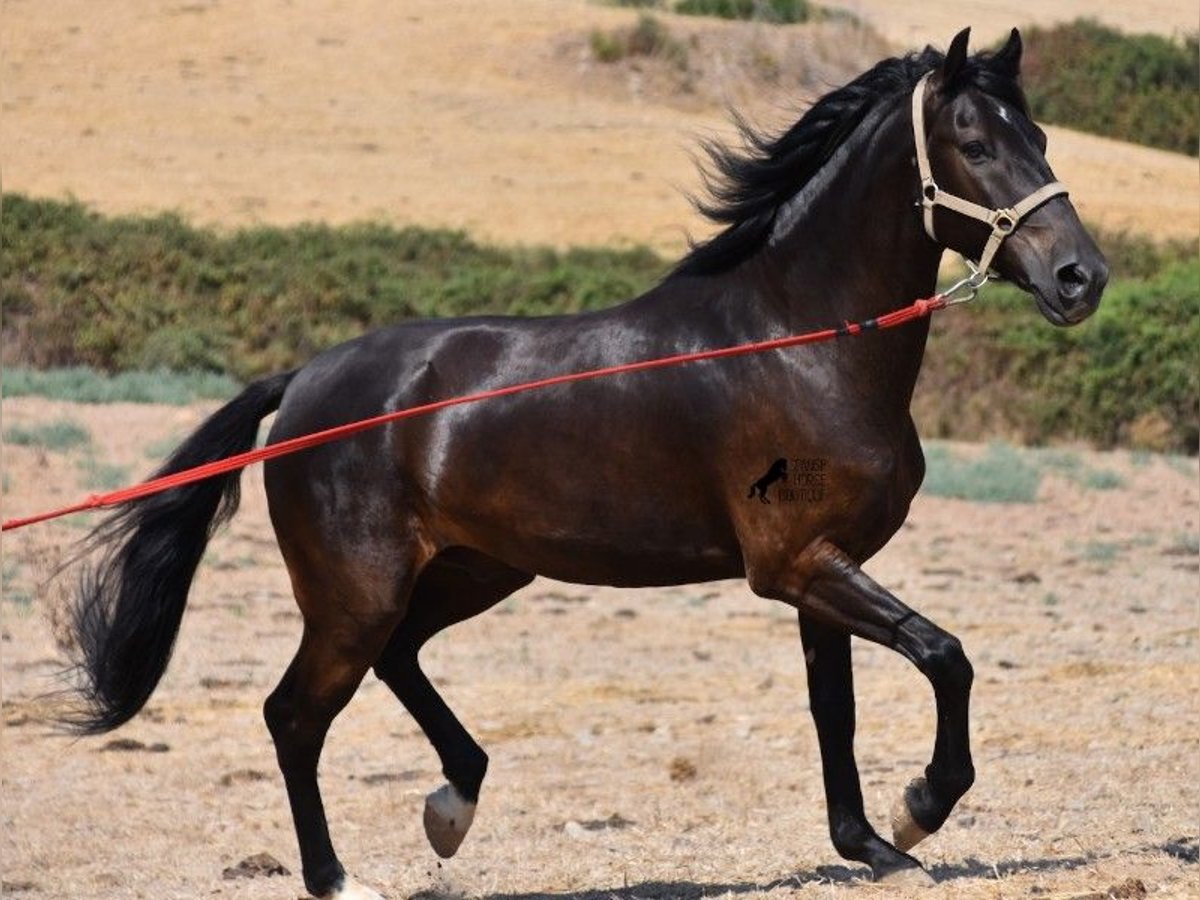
[489,116]
[681,711]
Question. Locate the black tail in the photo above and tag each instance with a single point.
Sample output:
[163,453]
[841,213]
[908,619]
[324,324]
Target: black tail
[131,601]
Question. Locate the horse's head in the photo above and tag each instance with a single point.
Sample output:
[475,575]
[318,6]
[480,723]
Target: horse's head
[983,148]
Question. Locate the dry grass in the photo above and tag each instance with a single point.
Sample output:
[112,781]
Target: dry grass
[680,711]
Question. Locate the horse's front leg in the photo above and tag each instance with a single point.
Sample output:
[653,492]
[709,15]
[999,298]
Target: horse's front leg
[830,590]
[831,699]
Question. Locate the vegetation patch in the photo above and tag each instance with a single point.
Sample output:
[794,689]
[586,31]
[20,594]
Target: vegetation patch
[11,587]
[93,302]
[1130,375]
[774,12]
[145,293]
[83,384]
[1141,88]
[779,12]
[98,475]
[648,37]
[60,435]
[1001,475]
[1072,467]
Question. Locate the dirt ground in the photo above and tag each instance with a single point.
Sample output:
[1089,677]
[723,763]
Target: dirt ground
[651,744]
[491,117]
[681,712]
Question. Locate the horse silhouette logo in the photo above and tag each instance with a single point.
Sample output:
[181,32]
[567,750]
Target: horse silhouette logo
[777,472]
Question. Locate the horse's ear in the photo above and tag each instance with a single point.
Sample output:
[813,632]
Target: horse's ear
[955,56]
[1008,57]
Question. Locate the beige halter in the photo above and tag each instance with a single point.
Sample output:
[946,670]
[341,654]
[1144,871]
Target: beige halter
[1002,221]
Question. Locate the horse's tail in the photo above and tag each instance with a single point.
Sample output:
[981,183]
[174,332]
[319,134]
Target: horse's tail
[130,602]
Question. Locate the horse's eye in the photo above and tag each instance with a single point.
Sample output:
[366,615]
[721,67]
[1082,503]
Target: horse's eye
[975,151]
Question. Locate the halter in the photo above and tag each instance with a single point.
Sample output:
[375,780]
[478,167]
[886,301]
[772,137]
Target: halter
[1003,222]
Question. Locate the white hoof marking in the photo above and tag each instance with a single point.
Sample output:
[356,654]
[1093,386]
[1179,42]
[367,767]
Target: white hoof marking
[906,833]
[352,890]
[448,817]
[915,877]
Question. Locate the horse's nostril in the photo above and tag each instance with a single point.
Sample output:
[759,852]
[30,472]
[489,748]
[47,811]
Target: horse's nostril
[1072,280]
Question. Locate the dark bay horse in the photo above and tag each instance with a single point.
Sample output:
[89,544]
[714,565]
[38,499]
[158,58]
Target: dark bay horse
[402,531]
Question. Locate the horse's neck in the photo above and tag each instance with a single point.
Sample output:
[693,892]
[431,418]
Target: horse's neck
[851,247]
[854,234]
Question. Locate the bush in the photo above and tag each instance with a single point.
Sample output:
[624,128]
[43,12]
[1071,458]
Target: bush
[782,12]
[648,37]
[124,294]
[1141,88]
[1001,369]
[118,294]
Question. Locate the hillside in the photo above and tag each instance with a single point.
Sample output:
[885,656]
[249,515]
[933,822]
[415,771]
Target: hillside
[489,117]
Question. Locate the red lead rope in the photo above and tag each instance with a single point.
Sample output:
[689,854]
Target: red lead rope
[917,310]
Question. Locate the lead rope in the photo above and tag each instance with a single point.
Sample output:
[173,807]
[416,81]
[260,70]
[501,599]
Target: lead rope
[918,309]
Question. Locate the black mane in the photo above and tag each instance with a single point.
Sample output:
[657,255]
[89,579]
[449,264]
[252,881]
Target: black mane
[750,183]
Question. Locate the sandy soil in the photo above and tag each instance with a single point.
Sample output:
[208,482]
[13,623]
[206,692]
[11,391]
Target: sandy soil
[486,116]
[910,22]
[680,711]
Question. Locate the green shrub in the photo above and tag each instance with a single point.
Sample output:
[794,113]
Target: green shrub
[1142,88]
[115,295]
[647,37]
[607,46]
[126,293]
[783,12]
[999,367]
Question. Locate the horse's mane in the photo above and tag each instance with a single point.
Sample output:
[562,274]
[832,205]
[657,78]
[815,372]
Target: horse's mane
[750,183]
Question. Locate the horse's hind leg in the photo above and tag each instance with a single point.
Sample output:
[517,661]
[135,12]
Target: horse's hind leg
[345,628]
[452,587]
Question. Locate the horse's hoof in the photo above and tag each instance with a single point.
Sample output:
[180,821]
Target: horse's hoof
[906,833]
[914,876]
[350,889]
[448,817]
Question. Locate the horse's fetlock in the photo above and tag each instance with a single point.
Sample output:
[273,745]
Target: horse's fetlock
[950,786]
[466,772]
[849,834]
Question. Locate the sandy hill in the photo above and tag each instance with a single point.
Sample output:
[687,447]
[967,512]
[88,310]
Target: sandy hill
[491,117]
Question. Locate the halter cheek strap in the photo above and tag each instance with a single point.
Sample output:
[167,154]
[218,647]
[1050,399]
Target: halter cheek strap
[1003,222]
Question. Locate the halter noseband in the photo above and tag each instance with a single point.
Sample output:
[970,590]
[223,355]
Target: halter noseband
[1003,222]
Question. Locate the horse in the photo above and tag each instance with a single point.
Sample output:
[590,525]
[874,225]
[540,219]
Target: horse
[402,531]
